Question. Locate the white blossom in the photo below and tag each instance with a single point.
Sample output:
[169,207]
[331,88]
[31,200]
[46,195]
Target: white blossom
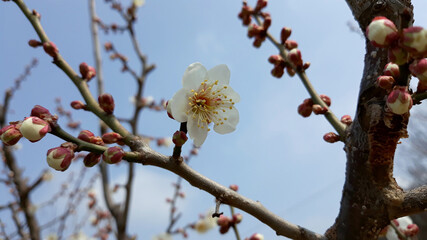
[205,98]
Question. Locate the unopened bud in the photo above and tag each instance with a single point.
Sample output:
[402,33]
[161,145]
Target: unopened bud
[34,43]
[40,112]
[179,138]
[224,229]
[10,135]
[317,109]
[223,221]
[331,137]
[284,34]
[275,59]
[51,49]
[108,46]
[414,40]
[237,218]
[277,71]
[291,44]
[391,69]
[295,58]
[305,109]
[399,101]
[234,187]
[419,69]
[306,65]
[346,119]
[86,135]
[111,137]
[113,155]
[385,82]
[381,32]
[325,99]
[78,105]
[91,159]
[106,102]
[87,72]
[59,158]
[34,128]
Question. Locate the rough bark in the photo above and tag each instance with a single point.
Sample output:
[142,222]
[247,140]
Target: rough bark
[370,190]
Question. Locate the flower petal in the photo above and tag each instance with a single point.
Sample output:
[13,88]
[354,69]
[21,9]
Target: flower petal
[230,93]
[178,105]
[196,133]
[220,73]
[194,75]
[229,125]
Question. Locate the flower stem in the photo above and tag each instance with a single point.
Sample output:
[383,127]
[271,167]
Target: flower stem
[234,226]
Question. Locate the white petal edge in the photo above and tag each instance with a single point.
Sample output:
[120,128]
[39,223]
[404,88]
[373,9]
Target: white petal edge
[230,93]
[220,73]
[230,124]
[179,104]
[196,133]
[194,75]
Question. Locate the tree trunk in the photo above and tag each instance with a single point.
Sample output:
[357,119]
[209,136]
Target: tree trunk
[370,190]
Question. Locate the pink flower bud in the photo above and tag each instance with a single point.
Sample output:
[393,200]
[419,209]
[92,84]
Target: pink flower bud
[111,137]
[10,135]
[237,218]
[86,135]
[346,119]
[291,44]
[317,109]
[331,137]
[59,158]
[414,40]
[290,71]
[51,49]
[275,59]
[305,109]
[254,30]
[91,159]
[399,101]
[392,69]
[277,71]
[40,112]
[325,99]
[234,187]
[78,105]
[34,128]
[87,72]
[256,236]
[113,155]
[285,34]
[419,69]
[306,65]
[295,58]
[223,221]
[106,102]
[34,43]
[385,82]
[381,32]
[398,55]
[411,230]
[179,138]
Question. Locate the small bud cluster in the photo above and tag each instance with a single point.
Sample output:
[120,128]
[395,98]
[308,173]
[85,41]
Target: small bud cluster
[179,138]
[307,107]
[404,46]
[225,223]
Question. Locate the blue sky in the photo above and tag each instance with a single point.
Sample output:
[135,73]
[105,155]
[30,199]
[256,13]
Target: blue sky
[275,155]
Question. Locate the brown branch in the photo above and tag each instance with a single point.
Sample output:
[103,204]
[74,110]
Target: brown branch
[415,201]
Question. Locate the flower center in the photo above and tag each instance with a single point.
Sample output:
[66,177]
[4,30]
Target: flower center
[209,103]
